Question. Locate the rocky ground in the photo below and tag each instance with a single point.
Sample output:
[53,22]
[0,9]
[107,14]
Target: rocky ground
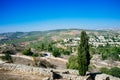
[20,71]
[10,75]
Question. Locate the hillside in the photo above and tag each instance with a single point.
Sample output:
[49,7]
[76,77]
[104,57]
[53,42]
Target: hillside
[45,53]
[60,34]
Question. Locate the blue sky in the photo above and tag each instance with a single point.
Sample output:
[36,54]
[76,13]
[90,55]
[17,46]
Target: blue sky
[39,15]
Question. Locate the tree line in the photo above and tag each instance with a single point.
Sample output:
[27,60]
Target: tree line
[49,47]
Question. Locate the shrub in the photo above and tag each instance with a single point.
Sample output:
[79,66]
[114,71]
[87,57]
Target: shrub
[115,71]
[65,52]
[35,55]
[72,62]
[104,56]
[56,52]
[114,56]
[91,67]
[9,51]
[27,52]
[7,57]
[104,70]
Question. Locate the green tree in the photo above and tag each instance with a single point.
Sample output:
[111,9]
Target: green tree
[42,46]
[28,52]
[56,52]
[66,52]
[83,54]
[49,48]
[7,57]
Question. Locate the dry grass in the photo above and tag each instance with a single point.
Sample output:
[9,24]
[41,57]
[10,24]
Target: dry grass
[8,75]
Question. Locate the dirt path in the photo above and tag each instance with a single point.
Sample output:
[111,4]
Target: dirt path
[23,56]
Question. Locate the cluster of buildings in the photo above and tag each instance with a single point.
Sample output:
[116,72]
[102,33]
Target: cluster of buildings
[94,40]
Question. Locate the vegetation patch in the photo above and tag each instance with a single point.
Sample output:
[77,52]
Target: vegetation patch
[28,52]
[115,71]
[7,58]
[72,62]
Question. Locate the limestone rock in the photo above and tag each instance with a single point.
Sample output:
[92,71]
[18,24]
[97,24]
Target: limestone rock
[105,76]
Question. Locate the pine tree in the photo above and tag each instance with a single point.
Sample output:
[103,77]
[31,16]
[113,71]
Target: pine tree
[83,54]
[49,48]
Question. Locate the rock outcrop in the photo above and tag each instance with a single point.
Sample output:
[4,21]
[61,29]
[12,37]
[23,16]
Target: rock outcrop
[105,77]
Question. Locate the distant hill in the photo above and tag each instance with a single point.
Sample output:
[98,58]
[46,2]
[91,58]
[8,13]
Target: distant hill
[16,37]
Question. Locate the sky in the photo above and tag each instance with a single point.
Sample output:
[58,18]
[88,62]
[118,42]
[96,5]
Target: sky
[40,15]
